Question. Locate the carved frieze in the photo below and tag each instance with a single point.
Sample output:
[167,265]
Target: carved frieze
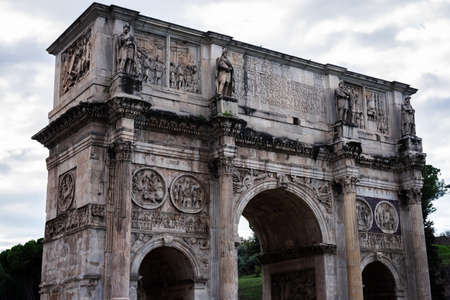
[75,62]
[157,221]
[294,285]
[386,217]
[184,73]
[380,241]
[75,219]
[149,189]
[66,190]
[187,194]
[364,215]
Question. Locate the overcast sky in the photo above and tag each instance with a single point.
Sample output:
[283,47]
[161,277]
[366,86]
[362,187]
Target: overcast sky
[407,41]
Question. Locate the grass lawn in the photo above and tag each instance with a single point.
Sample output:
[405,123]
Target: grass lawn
[444,253]
[250,287]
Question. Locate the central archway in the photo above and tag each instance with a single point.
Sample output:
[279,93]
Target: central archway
[293,237]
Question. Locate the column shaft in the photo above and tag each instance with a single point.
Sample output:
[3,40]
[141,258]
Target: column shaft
[227,252]
[354,277]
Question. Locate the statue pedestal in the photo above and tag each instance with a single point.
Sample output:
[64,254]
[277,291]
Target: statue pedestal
[123,83]
[224,106]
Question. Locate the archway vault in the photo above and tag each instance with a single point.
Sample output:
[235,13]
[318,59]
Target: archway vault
[166,241]
[377,257]
[303,193]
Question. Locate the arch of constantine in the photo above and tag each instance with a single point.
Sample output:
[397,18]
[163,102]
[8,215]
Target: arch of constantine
[161,137]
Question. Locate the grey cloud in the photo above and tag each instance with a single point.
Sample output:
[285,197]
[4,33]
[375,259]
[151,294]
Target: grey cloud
[23,52]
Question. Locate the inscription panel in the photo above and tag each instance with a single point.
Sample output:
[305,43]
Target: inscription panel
[268,85]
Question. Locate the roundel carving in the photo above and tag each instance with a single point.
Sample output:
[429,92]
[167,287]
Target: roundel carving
[149,188]
[364,215]
[66,191]
[386,217]
[187,194]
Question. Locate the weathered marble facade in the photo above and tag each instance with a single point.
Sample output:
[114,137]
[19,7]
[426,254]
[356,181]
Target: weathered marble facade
[161,137]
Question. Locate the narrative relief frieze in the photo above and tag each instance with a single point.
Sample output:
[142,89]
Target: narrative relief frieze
[157,221]
[75,219]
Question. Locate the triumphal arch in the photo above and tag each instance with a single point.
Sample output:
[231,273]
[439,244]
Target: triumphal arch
[161,137]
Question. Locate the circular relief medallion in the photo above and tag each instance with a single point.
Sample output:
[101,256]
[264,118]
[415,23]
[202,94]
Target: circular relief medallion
[386,217]
[187,194]
[364,215]
[149,188]
[66,191]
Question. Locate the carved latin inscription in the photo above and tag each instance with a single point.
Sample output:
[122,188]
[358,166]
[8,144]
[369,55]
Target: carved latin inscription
[149,189]
[270,84]
[75,62]
[386,217]
[294,285]
[187,194]
[364,214]
[66,190]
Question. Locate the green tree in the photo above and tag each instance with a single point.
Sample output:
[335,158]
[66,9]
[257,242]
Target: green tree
[20,271]
[248,257]
[433,188]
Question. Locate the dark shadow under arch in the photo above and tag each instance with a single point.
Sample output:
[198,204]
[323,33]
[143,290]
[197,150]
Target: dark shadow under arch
[166,274]
[378,282]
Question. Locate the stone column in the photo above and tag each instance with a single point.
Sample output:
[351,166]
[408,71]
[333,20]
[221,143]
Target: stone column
[227,253]
[121,225]
[417,241]
[354,277]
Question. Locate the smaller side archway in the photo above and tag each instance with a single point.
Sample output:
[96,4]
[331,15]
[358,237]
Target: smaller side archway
[380,279]
[166,268]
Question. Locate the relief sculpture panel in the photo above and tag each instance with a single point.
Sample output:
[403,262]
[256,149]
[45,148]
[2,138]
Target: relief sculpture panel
[386,217]
[151,58]
[66,190]
[294,285]
[377,113]
[149,188]
[364,215]
[75,62]
[187,194]
[184,73]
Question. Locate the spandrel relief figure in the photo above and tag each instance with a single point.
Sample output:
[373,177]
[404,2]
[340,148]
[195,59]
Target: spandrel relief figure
[408,122]
[343,103]
[224,75]
[126,51]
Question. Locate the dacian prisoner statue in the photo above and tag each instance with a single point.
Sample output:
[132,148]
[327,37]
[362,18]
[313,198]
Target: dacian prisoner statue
[163,137]
[224,75]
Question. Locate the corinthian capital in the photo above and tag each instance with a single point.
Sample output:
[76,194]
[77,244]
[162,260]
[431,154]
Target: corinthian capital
[412,195]
[348,183]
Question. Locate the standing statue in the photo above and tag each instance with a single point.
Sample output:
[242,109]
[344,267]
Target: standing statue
[408,122]
[224,75]
[126,51]
[343,103]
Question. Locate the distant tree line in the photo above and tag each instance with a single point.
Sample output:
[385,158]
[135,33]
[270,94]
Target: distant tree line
[20,271]
[248,257]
